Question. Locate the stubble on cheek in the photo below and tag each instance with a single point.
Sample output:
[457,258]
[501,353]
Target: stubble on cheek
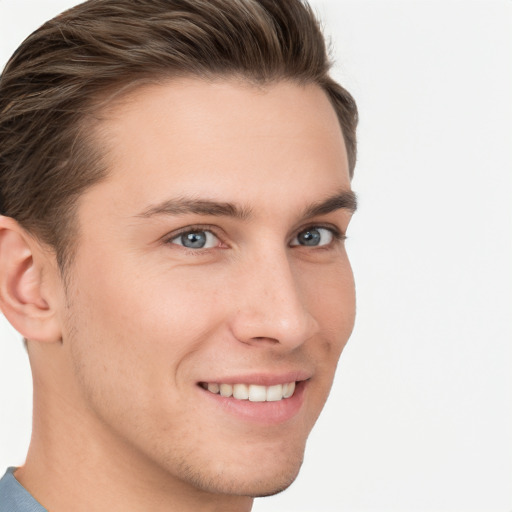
[145,425]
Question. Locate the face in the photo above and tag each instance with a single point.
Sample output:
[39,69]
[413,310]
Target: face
[211,262]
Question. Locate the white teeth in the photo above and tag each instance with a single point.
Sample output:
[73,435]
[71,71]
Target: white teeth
[252,392]
[226,390]
[241,391]
[257,393]
[274,393]
[288,389]
[214,388]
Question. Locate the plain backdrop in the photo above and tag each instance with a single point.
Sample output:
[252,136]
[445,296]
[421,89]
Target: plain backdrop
[420,416]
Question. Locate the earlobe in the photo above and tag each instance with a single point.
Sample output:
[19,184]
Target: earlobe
[23,299]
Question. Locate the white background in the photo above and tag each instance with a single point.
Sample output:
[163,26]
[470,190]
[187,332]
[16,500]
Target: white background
[420,416]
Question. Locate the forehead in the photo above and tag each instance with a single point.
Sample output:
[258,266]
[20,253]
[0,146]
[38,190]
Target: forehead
[222,138]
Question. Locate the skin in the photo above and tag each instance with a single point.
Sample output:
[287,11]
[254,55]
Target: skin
[143,320]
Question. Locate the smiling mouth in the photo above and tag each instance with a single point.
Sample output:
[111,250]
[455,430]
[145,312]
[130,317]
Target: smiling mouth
[251,392]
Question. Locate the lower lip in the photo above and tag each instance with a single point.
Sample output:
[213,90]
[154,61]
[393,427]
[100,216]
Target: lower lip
[265,413]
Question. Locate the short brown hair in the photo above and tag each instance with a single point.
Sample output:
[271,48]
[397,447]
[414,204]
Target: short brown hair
[56,80]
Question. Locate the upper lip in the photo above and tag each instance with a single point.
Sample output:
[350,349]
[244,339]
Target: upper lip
[262,378]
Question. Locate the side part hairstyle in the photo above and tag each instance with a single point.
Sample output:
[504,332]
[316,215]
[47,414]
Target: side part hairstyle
[56,84]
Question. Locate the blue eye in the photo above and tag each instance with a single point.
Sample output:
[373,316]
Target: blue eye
[196,239]
[313,237]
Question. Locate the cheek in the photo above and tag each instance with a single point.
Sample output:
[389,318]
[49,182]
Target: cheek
[133,338]
[145,319]
[330,298]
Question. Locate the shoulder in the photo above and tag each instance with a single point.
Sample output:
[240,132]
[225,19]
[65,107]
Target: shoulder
[14,497]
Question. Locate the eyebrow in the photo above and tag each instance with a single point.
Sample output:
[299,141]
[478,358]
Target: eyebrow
[345,199]
[184,205]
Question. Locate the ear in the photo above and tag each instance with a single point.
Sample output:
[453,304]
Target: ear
[26,299]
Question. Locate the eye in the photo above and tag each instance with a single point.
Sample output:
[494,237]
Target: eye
[196,239]
[314,237]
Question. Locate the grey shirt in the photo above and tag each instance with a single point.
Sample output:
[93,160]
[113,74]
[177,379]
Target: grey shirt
[14,497]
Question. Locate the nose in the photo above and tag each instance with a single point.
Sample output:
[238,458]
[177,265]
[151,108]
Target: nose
[271,306]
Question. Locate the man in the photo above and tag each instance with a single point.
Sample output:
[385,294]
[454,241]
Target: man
[175,190]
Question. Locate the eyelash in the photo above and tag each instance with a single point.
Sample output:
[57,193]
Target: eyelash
[193,229]
[338,236]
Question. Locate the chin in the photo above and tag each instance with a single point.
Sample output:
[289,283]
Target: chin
[255,481]
[266,489]
[257,488]
[269,485]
